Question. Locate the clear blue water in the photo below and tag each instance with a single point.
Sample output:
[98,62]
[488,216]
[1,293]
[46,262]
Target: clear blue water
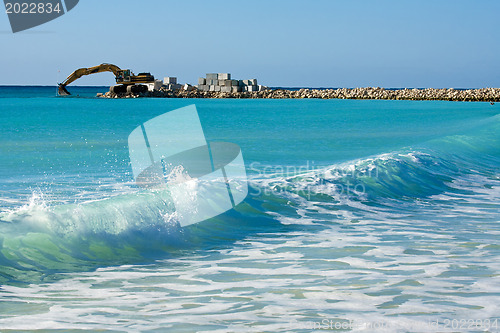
[383,215]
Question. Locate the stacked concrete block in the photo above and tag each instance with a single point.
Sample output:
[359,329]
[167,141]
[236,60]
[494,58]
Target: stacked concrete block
[251,88]
[208,83]
[154,86]
[212,79]
[223,82]
[224,76]
[173,86]
[169,80]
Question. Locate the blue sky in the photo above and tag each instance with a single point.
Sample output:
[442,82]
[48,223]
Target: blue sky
[316,43]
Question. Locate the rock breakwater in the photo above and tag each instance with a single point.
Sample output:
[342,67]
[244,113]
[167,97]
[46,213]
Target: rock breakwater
[475,95]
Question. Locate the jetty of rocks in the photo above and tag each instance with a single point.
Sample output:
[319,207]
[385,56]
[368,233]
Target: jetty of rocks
[476,95]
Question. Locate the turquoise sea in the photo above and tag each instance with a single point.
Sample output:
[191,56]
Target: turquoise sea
[362,216]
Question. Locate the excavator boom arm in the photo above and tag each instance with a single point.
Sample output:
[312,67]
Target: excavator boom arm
[86,71]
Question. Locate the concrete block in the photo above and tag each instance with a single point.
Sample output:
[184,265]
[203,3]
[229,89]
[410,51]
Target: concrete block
[228,83]
[205,88]
[247,82]
[170,80]
[211,88]
[253,82]
[234,83]
[252,88]
[156,85]
[202,80]
[212,76]
[174,86]
[224,76]
[222,82]
[235,89]
[187,87]
[225,88]
[217,88]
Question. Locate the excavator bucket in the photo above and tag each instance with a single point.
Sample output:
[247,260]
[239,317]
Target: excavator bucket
[62,91]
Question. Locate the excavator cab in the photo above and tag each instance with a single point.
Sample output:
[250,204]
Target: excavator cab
[123,76]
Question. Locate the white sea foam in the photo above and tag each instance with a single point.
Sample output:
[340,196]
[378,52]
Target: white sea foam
[385,266]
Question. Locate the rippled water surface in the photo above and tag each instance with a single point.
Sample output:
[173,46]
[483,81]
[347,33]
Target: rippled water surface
[375,216]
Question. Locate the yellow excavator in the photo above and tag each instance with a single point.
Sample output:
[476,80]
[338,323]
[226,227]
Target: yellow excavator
[127,81]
